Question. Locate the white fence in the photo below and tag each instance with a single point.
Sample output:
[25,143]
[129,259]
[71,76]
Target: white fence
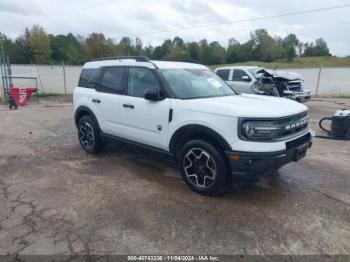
[50,77]
[332,82]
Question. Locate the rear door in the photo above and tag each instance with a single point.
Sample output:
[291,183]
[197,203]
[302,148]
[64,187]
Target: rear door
[144,121]
[224,74]
[109,93]
[240,81]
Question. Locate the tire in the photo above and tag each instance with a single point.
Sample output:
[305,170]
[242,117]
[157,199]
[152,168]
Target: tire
[88,135]
[204,168]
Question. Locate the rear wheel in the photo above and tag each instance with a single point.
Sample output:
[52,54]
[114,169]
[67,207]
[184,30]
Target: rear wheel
[89,135]
[203,168]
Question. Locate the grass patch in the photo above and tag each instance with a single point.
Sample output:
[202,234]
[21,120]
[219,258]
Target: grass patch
[301,62]
[47,94]
[35,95]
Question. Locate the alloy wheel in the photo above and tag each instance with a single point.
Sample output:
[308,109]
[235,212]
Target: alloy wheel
[199,167]
[87,136]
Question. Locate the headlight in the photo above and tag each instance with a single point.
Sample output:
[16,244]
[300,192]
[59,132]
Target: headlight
[260,130]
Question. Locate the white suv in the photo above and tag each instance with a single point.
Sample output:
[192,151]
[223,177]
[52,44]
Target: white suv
[186,111]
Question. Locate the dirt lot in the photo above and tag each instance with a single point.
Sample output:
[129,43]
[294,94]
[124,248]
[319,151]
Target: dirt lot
[55,199]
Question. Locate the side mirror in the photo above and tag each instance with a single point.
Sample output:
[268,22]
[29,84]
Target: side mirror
[151,94]
[246,78]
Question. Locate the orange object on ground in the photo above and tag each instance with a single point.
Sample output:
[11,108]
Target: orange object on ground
[21,95]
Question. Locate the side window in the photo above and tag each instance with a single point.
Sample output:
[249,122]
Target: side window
[85,75]
[112,80]
[139,80]
[238,74]
[224,74]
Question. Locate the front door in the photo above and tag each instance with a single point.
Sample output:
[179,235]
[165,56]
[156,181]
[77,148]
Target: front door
[144,121]
[240,81]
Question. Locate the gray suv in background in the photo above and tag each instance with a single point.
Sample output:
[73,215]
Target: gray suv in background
[258,80]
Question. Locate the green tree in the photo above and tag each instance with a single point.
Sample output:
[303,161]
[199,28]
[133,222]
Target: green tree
[246,51]
[39,44]
[138,46]
[96,45]
[193,50]
[233,52]
[320,48]
[204,52]
[178,43]
[166,48]
[14,50]
[148,51]
[176,50]
[216,53]
[265,48]
[67,49]
[157,53]
[212,53]
[126,46]
[289,45]
[300,48]
[35,46]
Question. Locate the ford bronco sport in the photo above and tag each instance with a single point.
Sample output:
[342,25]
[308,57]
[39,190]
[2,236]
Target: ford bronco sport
[186,111]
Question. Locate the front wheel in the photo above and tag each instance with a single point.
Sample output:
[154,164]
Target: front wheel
[88,135]
[203,168]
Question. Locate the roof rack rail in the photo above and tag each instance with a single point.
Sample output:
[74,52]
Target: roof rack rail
[137,59]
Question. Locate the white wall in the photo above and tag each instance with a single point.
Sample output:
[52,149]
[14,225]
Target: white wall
[333,81]
[50,78]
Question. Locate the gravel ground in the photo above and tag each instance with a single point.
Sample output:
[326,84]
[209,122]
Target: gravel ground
[55,199]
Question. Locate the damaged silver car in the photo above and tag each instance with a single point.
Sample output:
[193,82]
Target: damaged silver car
[258,80]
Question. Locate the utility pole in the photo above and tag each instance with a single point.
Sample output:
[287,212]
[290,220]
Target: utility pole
[318,80]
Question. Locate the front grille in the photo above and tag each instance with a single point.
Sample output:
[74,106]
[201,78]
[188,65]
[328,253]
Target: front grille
[294,124]
[294,85]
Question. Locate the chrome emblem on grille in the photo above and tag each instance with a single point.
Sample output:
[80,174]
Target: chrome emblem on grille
[298,124]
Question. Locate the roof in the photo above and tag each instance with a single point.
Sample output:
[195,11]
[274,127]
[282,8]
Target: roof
[133,62]
[238,67]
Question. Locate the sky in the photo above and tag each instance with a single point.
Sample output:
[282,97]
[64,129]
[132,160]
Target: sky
[148,19]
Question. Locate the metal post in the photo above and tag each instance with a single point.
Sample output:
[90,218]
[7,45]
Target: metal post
[2,55]
[2,77]
[318,80]
[41,83]
[64,79]
[37,90]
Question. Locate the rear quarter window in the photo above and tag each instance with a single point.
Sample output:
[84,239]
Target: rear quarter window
[85,76]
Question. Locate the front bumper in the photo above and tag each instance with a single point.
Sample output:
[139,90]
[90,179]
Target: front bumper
[301,97]
[247,166]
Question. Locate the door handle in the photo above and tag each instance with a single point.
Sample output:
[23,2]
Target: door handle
[95,100]
[128,106]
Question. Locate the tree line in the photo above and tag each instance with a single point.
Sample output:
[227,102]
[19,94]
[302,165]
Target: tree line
[36,46]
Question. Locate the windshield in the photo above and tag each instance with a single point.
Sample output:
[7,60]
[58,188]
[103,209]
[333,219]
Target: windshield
[253,71]
[195,83]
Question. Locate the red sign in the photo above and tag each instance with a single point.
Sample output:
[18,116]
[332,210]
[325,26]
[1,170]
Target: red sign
[21,95]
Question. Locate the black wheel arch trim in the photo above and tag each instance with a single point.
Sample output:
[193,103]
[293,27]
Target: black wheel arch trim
[82,111]
[193,129]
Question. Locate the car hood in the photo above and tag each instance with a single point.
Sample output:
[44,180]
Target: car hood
[244,105]
[285,74]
